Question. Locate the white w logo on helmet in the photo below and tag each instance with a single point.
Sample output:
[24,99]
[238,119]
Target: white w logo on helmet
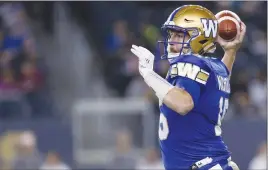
[210,27]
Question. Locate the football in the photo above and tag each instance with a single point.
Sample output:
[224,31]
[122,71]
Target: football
[229,23]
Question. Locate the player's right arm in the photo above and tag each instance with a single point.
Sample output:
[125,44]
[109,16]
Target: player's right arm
[230,48]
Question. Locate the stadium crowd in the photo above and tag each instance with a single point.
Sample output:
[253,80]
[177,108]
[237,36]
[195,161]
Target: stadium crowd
[21,77]
[22,90]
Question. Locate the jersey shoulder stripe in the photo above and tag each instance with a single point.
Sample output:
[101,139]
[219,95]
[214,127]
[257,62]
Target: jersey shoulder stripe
[192,67]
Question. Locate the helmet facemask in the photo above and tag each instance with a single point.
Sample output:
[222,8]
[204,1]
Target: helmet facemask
[186,47]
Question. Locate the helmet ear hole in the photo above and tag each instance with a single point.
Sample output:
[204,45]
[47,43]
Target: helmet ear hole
[203,41]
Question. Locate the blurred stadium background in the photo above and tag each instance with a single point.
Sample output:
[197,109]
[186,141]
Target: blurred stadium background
[71,95]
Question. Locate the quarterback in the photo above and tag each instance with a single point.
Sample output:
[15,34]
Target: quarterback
[193,98]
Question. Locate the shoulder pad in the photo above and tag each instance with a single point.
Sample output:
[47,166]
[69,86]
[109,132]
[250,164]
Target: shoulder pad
[192,67]
[217,66]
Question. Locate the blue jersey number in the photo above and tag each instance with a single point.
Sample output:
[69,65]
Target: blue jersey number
[223,106]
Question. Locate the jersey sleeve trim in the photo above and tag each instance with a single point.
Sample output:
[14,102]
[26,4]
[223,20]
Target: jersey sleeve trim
[202,76]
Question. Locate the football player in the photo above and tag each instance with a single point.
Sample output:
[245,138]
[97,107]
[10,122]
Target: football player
[194,96]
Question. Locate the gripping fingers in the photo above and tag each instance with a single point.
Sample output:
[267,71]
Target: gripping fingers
[243,31]
[240,34]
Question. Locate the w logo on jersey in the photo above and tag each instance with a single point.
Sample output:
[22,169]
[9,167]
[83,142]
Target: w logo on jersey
[210,27]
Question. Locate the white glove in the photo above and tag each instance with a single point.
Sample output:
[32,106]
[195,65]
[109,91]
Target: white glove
[153,80]
[146,59]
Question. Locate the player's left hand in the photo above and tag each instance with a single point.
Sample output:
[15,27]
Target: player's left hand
[234,45]
[146,58]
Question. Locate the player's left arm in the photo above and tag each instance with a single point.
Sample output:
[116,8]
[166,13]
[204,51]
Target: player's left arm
[176,97]
[189,82]
[231,48]
[181,97]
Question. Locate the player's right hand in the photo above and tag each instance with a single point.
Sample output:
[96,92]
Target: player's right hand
[236,43]
[146,59]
